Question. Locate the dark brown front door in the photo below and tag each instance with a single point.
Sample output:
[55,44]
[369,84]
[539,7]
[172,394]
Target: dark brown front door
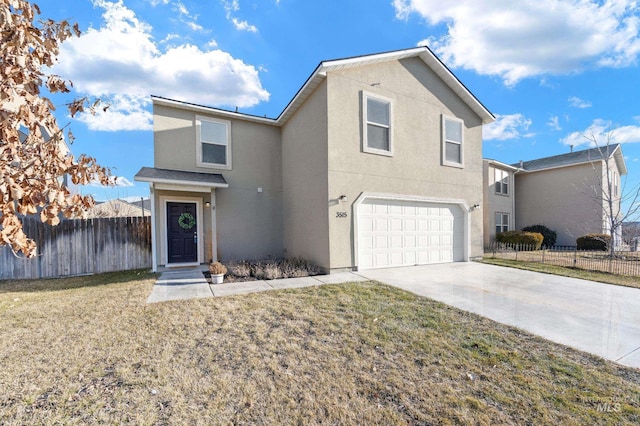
[182,232]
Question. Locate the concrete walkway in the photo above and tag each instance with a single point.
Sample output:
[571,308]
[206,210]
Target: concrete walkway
[182,284]
[598,318]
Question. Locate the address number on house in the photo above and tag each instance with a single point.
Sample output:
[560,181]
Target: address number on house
[341,214]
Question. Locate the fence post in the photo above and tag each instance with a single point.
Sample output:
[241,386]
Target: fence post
[575,257]
[543,250]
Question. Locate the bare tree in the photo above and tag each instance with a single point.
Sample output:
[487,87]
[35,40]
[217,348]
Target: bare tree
[618,202]
[32,166]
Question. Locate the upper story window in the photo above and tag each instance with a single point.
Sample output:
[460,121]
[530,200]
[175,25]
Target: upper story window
[502,182]
[615,184]
[452,142]
[376,120]
[213,138]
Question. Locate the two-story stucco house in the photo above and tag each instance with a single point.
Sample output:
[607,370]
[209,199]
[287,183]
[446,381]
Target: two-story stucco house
[376,162]
[499,199]
[568,192]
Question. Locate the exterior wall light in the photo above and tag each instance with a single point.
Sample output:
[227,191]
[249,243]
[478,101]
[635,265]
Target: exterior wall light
[343,198]
[207,204]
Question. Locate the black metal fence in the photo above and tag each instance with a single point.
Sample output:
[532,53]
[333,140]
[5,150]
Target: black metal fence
[622,263]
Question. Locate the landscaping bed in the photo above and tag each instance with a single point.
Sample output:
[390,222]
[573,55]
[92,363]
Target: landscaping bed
[239,271]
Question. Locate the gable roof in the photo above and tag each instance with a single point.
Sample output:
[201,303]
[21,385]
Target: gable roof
[320,73]
[577,157]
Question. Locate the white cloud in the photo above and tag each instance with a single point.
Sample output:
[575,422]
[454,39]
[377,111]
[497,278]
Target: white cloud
[243,25]
[124,113]
[231,7]
[120,182]
[186,17]
[602,131]
[554,123]
[511,126]
[121,63]
[516,40]
[576,102]
[123,182]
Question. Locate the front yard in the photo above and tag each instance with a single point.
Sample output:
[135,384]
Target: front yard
[89,350]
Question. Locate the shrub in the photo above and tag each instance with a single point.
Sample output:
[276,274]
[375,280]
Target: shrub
[217,268]
[599,242]
[549,235]
[533,240]
[294,268]
[240,269]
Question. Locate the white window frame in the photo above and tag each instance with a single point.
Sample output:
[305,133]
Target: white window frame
[500,177]
[445,162]
[200,163]
[365,138]
[502,215]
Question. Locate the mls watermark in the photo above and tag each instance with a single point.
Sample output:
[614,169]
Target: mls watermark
[611,404]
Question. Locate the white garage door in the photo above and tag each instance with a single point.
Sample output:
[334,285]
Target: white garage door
[405,233]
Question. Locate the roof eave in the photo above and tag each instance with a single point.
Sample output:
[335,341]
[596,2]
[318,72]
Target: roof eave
[501,164]
[181,182]
[158,100]
[423,52]
[619,158]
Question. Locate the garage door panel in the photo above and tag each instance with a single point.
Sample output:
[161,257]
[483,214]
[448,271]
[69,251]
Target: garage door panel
[380,224]
[403,233]
[395,241]
[381,242]
[410,241]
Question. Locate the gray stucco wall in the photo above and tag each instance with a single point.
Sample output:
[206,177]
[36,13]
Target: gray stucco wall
[561,199]
[419,98]
[304,180]
[248,222]
[494,203]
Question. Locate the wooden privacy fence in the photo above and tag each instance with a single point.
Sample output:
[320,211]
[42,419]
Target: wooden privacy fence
[80,247]
[623,263]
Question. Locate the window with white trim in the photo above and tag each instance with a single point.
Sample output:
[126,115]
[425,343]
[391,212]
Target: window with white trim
[452,142]
[502,222]
[502,182]
[615,184]
[376,123]
[213,139]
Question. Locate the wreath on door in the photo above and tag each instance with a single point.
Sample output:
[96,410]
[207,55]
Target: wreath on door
[186,221]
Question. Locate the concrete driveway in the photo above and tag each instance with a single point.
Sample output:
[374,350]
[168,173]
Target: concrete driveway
[598,318]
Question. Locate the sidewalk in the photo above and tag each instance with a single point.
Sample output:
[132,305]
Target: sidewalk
[183,284]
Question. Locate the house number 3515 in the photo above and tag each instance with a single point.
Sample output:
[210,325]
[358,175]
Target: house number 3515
[341,214]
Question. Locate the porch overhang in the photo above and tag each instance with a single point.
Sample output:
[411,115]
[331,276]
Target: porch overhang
[181,178]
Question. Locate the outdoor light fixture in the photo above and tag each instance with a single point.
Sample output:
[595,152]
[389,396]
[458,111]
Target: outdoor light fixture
[207,204]
[474,207]
[343,198]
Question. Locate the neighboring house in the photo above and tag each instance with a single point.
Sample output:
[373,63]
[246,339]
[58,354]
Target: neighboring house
[565,192]
[375,162]
[499,200]
[117,208]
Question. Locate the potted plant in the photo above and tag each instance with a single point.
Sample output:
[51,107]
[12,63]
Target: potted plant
[217,270]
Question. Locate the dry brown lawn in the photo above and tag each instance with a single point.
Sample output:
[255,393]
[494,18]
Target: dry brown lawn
[90,351]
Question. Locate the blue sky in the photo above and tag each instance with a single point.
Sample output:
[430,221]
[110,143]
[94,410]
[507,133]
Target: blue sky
[550,70]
